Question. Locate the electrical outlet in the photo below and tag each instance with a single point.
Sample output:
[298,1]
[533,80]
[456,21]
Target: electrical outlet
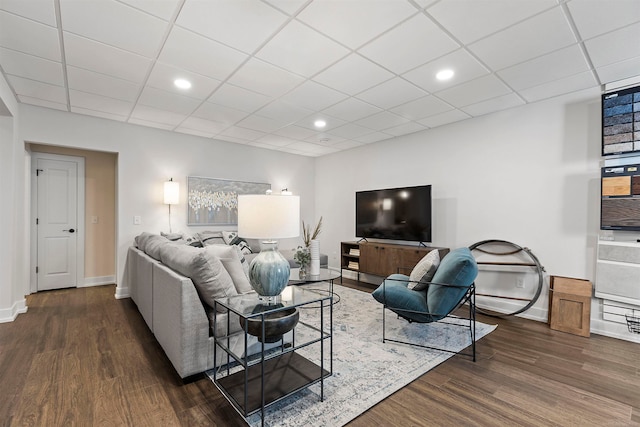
[520,282]
[94,219]
[137,220]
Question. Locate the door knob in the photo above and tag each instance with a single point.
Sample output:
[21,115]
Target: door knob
[71,230]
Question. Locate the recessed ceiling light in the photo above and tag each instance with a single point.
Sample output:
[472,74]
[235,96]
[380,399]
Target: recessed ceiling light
[445,74]
[182,83]
[319,123]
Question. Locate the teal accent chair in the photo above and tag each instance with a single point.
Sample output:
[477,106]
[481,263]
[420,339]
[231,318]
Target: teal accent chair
[451,286]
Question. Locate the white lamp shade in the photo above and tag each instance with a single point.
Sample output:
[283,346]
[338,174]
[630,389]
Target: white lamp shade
[262,216]
[171,192]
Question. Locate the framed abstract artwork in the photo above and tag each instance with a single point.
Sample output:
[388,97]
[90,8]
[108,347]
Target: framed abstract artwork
[215,201]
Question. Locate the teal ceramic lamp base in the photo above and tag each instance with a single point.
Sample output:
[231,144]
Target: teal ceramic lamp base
[269,272]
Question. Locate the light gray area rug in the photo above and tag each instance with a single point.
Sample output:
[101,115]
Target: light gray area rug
[365,371]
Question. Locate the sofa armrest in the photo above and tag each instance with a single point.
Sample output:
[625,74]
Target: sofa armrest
[180,323]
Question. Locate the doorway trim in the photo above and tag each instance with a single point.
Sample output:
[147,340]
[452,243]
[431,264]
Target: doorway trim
[35,155]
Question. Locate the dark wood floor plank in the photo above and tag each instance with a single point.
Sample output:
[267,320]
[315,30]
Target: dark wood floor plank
[82,357]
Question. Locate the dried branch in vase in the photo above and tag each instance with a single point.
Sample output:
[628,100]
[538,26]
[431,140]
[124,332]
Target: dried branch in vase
[307,236]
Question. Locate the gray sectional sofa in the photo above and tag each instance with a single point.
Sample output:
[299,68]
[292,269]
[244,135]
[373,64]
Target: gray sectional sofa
[174,284]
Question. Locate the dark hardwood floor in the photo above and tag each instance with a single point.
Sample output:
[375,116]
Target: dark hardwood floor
[81,357]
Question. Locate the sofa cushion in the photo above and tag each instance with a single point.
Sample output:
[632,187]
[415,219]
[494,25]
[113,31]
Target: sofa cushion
[141,240]
[424,270]
[154,246]
[211,238]
[204,269]
[232,263]
[458,268]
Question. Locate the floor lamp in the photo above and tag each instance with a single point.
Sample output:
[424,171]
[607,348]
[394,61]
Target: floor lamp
[171,195]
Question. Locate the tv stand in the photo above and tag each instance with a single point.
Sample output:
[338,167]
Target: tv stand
[382,259]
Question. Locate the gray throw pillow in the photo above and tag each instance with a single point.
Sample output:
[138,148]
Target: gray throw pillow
[424,270]
[204,269]
[232,263]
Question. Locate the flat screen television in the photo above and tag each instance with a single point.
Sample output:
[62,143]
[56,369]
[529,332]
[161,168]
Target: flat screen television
[395,214]
[620,202]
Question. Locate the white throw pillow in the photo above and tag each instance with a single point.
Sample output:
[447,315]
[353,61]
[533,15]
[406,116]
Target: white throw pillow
[424,271]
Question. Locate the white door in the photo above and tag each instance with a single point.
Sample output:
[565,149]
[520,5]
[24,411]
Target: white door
[57,222]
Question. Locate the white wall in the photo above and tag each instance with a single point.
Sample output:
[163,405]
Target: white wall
[528,175]
[12,268]
[147,157]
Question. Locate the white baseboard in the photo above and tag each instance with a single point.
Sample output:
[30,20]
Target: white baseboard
[122,292]
[10,314]
[98,281]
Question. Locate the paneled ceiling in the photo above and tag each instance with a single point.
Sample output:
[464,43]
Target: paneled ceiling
[262,72]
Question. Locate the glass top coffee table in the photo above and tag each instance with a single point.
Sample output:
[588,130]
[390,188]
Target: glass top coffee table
[325,275]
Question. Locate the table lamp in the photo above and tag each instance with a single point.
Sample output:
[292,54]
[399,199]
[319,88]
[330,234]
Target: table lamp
[268,217]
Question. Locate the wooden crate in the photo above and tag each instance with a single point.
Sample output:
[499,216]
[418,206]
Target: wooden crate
[570,305]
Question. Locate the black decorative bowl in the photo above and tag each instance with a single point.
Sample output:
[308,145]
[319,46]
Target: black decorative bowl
[276,324]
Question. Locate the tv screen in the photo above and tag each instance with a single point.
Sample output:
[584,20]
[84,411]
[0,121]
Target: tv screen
[620,203]
[395,214]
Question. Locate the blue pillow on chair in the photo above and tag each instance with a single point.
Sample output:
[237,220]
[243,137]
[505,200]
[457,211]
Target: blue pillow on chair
[458,268]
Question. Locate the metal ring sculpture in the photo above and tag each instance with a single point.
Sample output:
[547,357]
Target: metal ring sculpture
[535,264]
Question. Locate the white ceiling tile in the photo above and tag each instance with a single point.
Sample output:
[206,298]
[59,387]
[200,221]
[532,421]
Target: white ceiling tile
[382,121]
[151,124]
[100,84]
[42,103]
[306,147]
[238,98]
[202,56]
[405,129]
[569,84]
[38,10]
[29,36]
[325,138]
[31,67]
[526,40]
[143,112]
[350,131]
[264,78]
[84,53]
[168,101]
[161,8]
[202,125]
[276,140]
[261,124]
[349,144]
[242,24]
[619,71]
[284,112]
[345,22]
[295,132]
[596,17]
[40,90]
[409,45]
[290,49]
[464,65]
[287,6]
[138,32]
[391,93]
[353,75]
[194,132]
[469,20]
[371,138]
[163,77]
[475,91]
[242,133]
[101,114]
[444,118]
[421,108]
[219,113]
[99,103]
[557,65]
[352,109]
[614,47]
[495,104]
[313,96]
